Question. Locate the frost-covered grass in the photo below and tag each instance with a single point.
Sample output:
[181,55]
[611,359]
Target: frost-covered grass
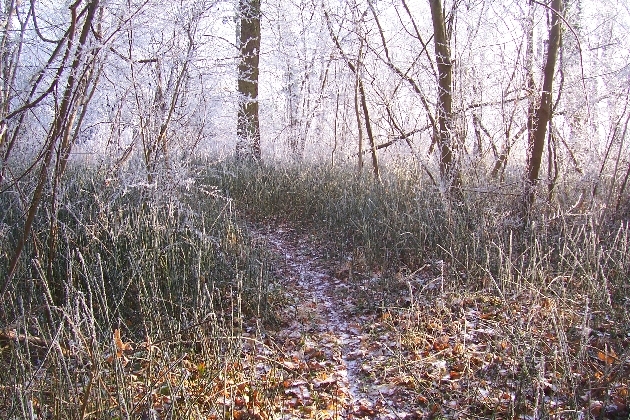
[481,237]
[496,315]
[153,301]
[136,305]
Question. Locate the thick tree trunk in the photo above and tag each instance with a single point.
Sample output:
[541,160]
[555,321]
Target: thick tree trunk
[445,92]
[248,128]
[529,72]
[543,113]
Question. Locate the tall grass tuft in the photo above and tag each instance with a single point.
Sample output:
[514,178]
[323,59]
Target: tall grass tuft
[167,269]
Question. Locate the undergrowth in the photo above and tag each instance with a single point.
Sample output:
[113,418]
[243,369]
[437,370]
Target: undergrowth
[137,301]
[405,222]
[129,300]
[557,282]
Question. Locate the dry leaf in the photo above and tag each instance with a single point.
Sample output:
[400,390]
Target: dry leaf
[608,357]
[441,343]
[120,347]
[488,315]
[324,383]
[455,375]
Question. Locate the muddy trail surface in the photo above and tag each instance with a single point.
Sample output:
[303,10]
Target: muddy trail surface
[324,352]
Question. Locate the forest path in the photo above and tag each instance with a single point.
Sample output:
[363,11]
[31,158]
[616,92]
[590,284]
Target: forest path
[427,351]
[324,339]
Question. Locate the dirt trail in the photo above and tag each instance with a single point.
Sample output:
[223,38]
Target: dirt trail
[447,354]
[325,340]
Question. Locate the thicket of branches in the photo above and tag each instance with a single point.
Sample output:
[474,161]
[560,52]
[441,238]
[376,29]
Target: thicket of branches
[477,88]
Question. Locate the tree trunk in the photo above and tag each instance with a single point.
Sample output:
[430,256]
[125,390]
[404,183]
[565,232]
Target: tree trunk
[248,128]
[445,93]
[370,135]
[359,124]
[542,115]
[59,126]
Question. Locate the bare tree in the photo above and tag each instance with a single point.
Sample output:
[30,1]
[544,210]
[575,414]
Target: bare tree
[248,126]
[540,118]
[360,99]
[75,96]
[155,122]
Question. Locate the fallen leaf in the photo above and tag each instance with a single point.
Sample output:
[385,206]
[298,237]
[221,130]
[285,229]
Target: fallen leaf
[324,383]
[609,356]
[289,365]
[458,349]
[121,347]
[364,408]
[118,343]
[455,375]
[441,343]
[595,408]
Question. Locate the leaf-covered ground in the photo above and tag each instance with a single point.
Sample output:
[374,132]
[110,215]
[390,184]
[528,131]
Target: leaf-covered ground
[349,344]
[436,352]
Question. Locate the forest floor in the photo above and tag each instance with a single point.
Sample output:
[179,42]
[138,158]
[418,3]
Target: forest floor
[329,341]
[338,352]
[346,341]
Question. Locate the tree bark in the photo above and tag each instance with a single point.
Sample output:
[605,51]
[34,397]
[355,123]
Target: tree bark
[248,126]
[542,116]
[445,93]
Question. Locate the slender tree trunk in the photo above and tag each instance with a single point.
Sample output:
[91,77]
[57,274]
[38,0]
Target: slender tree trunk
[368,129]
[359,124]
[542,115]
[59,126]
[445,93]
[501,162]
[248,126]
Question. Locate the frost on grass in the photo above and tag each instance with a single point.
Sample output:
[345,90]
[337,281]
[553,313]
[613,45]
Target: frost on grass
[438,353]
